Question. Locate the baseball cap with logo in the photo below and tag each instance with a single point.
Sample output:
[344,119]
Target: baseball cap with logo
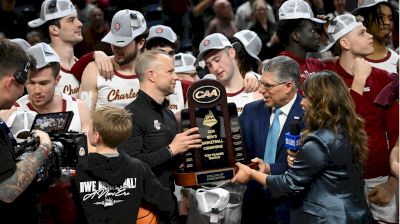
[251,42]
[215,41]
[217,198]
[184,63]
[340,26]
[297,9]
[20,123]
[53,9]
[161,31]
[43,54]
[126,25]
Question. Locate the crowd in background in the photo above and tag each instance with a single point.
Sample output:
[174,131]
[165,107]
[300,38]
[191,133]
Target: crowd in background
[262,51]
[190,19]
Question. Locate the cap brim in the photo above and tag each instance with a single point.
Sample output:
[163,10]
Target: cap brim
[36,23]
[201,55]
[327,47]
[185,69]
[39,66]
[318,20]
[160,37]
[116,40]
[253,56]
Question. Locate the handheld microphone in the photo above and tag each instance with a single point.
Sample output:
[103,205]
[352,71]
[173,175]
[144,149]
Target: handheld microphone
[293,137]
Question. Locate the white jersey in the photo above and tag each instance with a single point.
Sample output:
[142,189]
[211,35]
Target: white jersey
[240,98]
[176,100]
[68,84]
[119,91]
[389,63]
[69,104]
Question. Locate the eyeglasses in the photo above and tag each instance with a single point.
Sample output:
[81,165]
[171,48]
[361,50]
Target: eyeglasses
[268,86]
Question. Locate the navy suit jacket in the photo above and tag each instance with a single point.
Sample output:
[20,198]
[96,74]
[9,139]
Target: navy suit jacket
[254,123]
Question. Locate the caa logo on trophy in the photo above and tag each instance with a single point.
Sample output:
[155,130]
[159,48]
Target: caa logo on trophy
[219,127]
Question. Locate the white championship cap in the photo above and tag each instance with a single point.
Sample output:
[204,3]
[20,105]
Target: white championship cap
[297,9]
[126,25]
[215,41]
[184,63]
[161,31]
[53,9]
[216,198]
[340,26]
[43,54]
[251,42]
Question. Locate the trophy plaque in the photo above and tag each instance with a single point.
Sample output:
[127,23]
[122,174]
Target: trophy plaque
[219,128]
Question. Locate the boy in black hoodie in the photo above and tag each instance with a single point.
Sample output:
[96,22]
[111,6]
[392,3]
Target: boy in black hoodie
[111,185]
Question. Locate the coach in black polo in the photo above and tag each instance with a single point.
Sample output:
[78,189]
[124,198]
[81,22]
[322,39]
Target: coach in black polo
[154,139]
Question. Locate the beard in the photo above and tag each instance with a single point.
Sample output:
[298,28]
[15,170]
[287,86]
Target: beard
[126,59]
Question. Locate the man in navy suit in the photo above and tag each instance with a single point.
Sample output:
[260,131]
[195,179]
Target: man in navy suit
[278,84]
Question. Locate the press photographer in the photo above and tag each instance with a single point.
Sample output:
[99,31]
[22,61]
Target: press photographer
[17,198]
[67,146]
[56,203]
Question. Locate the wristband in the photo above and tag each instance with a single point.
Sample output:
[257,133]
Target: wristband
[46,150]
[170,151]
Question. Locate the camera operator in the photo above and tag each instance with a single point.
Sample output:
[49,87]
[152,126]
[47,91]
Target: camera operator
[43,98]
[17,200]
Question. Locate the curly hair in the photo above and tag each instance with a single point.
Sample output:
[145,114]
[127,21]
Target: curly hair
[372,15]
[330,106]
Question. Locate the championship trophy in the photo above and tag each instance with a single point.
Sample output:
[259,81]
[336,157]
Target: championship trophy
[219,128]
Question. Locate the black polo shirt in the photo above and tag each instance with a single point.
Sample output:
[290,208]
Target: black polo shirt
[154,128]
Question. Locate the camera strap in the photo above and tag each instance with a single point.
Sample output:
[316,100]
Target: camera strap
[4,126]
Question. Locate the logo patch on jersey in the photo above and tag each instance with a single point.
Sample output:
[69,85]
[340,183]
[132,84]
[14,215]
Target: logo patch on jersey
[157,125]
[206,94]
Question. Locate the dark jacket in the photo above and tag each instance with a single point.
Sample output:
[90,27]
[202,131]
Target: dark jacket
[331,187]
[111,189]
[154,128]
[258,204]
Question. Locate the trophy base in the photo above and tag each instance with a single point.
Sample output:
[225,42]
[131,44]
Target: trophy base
[194,179]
